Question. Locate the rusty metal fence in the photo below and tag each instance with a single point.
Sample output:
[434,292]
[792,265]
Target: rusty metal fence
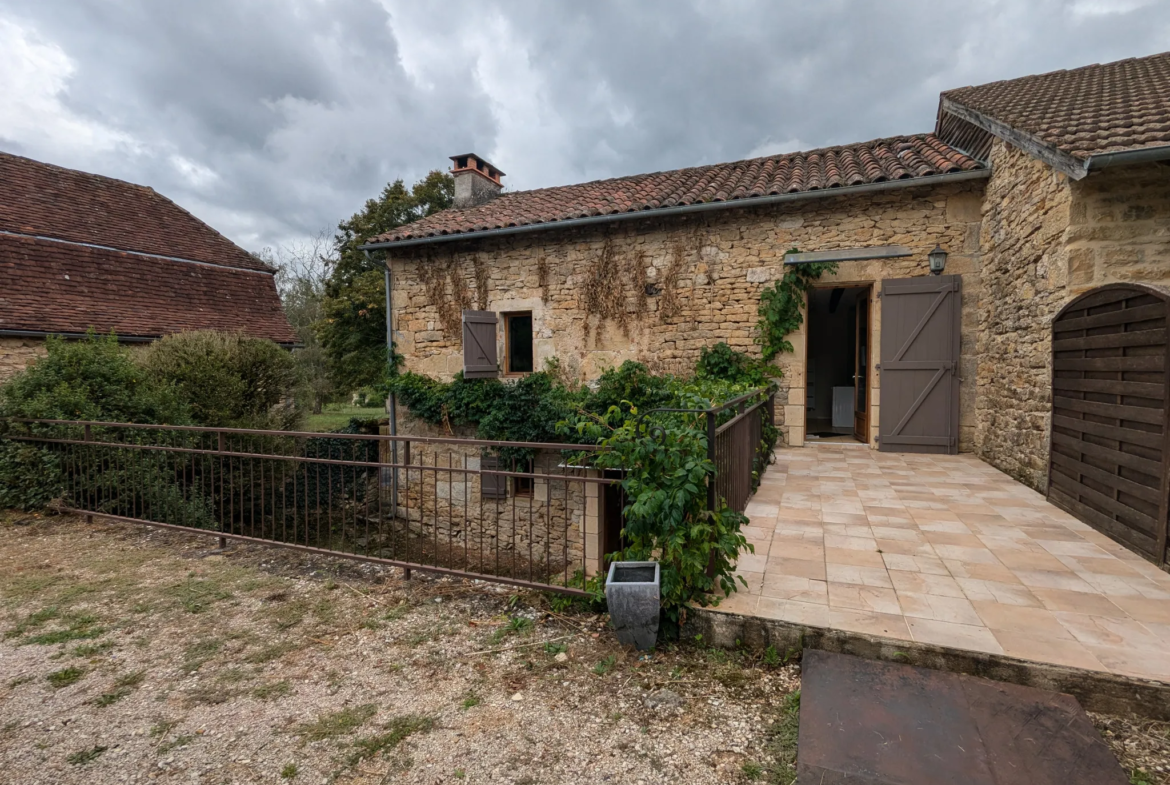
[737,446]
[451,506]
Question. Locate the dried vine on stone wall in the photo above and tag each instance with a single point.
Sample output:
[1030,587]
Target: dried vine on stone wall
[603,293]
[481,282]
[436,276]
[637,277]
[671,305]
[542,277]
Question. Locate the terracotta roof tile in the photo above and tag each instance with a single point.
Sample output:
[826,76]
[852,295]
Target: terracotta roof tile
[65,288]
[65,285]
[919,156]
[1086,111]
[41,199]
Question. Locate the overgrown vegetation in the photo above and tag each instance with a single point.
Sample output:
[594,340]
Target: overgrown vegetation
[781,305]
[663,456]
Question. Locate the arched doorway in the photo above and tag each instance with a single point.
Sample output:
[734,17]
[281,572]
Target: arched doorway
[1110,445]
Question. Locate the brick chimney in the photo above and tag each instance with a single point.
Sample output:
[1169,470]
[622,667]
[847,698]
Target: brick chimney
[476,181]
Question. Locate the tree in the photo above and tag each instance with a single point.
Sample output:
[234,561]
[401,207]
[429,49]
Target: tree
[302,271]
[352,328]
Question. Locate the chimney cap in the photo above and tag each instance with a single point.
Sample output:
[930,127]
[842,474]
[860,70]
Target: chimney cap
[470,162]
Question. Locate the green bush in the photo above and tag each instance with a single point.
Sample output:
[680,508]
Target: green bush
[229,380]
[722,362]
[92,379]
[95,378]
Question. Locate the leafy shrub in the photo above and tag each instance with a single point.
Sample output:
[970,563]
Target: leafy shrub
[722,362]
[631,385]
[95,378]
[91,379]
[228,379]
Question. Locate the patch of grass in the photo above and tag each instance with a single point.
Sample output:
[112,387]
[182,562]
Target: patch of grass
[81,626]
[271,652]
[288,771]
[233,675]
[460,774]
[335,416]
[751,771]
[470,701]
[1140,777]
[272,691]
[288,615]
[553,649]
[82,757]
[197,595]
[19,680]
[209,695]
[781,742]
[64,677]
[175,743]
[33,620]
[197,654]
[397,730]
[337,723]
[92,649]
[398,612]
[162,728]
[605,666]
[123,686]
[517,625]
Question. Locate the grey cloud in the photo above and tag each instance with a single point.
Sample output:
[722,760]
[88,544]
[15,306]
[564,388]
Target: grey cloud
[273,119]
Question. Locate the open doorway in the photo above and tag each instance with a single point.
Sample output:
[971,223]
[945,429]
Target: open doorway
[838,365]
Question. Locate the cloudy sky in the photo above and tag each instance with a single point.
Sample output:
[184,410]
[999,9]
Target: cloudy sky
[273,119]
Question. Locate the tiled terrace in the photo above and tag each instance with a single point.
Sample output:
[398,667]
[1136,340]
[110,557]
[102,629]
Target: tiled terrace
[947,550]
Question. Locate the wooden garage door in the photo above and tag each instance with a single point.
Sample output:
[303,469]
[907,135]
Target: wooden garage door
[1109,449]
[919,367]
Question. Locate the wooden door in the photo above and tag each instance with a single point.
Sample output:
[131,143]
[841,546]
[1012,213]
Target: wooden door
[919,368]
[1109,449]
[861,361]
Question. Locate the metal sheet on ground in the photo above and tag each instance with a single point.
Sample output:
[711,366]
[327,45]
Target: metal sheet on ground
[873,723]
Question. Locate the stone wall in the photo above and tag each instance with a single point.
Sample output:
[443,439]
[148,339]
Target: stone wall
[17,353]
[554,530]
[1045,240]
[659,290]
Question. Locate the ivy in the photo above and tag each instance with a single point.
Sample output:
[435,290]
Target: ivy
[780,305]
[663,455]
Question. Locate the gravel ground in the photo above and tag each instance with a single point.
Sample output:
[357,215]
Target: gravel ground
[131,655]
[136,655]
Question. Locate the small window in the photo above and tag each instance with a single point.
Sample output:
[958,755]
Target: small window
[518,343]
[522,486]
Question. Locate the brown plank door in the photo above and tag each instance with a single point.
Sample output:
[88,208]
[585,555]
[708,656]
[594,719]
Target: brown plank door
[1108,458]
[861,361]
[919,365]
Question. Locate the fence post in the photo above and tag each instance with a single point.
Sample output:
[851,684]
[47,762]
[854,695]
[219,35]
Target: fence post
[88,437]
[220,442]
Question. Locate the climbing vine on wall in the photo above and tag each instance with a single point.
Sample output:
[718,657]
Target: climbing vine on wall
[781,304]
[542,277]
[603,293]
[447,290]
[481,282]
[670,305]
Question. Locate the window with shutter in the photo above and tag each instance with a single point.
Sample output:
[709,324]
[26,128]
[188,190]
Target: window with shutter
[479,345]
[492,486]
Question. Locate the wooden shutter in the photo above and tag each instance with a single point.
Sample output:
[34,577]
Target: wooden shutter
[919,367]
[479,345]
[1108,461]
[492,486]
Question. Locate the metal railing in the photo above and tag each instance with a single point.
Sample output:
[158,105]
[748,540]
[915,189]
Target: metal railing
[532,518]
[735,444]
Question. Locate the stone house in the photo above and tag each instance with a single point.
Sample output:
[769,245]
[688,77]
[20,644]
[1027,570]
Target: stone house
[79,251]
[1045,199]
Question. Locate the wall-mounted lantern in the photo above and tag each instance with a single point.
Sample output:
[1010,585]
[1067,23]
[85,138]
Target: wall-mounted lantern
[937,259]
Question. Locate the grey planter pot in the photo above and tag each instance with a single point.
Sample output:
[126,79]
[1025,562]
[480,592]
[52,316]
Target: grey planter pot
[633,594]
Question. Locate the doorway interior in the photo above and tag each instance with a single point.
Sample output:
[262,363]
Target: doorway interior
[838,365]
